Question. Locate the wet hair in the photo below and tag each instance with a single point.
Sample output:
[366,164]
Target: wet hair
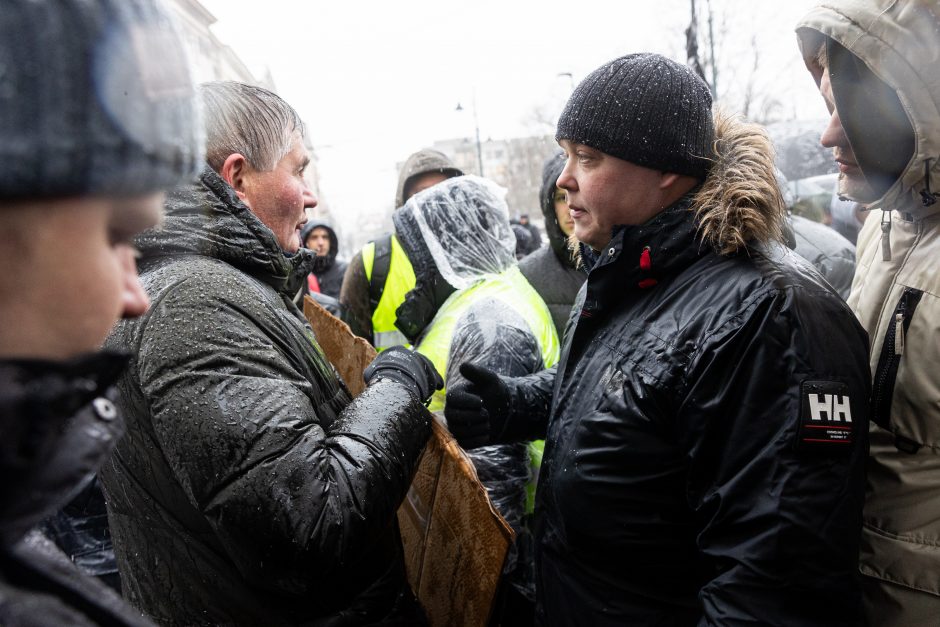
[248,120]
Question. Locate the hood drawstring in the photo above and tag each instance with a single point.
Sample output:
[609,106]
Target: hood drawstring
[927,196]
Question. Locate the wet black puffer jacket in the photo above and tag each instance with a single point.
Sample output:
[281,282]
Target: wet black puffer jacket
[249,489]
[551,269]
[698,468]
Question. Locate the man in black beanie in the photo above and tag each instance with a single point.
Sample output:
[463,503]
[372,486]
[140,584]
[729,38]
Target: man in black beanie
[98,116]
[707,422]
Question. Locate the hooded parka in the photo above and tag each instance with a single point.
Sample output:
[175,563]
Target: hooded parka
[379,276]
[704,458]
[249,488]
[896,295]
[329,271]
[58,427]
[552,269]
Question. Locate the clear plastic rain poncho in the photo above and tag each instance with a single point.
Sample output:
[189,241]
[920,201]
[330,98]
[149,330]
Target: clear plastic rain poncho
[464,221]
[458,232]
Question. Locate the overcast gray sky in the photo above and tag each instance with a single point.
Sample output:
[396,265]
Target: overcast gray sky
[375,81]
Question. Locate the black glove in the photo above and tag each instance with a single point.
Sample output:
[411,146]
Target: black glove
[477,409]
[408,367]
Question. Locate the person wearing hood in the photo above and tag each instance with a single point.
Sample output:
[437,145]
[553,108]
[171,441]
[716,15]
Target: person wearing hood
[471,305]
[707,431]
[875,65]
[379,276]
[250,488]
[327,275]
[87,149]
[552,269]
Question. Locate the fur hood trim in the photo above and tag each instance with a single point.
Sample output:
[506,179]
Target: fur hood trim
[740,202]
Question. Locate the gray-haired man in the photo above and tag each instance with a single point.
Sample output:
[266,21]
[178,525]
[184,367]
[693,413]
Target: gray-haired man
[250,489]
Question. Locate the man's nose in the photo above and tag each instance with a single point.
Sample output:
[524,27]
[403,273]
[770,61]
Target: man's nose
[834,135]
[134,298]
[310,199]
[565,180]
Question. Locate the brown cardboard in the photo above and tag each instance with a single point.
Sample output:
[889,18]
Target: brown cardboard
[455,542]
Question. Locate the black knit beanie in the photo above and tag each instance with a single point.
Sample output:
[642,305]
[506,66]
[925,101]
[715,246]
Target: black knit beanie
[645,109]
[96,98]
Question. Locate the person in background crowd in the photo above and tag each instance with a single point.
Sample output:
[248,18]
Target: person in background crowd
[832,255]
[552,270]
[250,488]
[327,275]
[379,276]
[532,229]
[471,305]
[707,431]
[523,240]
[87,148]
[874,65]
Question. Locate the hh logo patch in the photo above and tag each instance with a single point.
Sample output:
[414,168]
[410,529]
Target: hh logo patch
[825,416]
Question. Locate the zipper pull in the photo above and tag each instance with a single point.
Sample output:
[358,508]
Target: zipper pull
[885,235]
[899,334]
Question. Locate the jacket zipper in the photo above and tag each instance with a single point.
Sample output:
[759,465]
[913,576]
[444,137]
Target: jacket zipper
[885,235]
[887,371]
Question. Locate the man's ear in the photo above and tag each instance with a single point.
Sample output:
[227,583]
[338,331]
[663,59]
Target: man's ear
[234,171]
[666,180]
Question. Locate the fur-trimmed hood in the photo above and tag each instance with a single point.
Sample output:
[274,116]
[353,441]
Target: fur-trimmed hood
[740,202]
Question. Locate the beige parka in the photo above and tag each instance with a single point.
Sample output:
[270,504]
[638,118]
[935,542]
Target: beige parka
[896,296]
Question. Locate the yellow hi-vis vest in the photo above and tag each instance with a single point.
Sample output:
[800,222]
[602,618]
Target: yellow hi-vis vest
[399,280]
[512,289]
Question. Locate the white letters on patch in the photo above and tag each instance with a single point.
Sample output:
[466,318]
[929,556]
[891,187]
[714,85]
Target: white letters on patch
[830,407]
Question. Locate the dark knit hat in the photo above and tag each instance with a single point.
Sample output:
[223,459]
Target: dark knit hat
[645,109]
[96,98]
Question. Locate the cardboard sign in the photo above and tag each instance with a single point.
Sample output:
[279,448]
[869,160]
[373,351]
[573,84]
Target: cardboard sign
[455,542]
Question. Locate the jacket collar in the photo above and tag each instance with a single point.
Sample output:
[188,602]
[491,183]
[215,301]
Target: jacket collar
[639,257]
[208,219]
[57,430]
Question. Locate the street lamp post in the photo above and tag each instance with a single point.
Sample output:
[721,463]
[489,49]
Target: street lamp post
[476,126]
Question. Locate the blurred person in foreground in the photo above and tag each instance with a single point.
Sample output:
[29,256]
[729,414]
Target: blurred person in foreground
[875,63]
[250,488]
[552,269]
[472,307]
[379,276]
[93,128]
[706,426]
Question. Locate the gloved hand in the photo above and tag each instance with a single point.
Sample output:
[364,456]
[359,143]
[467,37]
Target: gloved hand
[408,367]
[477,409]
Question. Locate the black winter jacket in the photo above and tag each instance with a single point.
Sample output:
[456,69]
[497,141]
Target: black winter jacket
[698,467]
[58,427]
[552,270]
[249,489]
[830,253]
